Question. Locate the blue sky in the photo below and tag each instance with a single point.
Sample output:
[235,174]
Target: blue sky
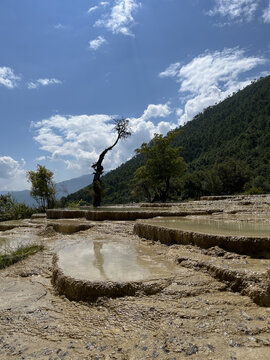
[67,68]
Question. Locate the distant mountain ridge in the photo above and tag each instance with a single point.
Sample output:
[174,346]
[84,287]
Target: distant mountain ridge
[238,128]
[63,188]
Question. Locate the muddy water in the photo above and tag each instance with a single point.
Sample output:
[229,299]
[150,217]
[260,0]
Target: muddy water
[103,260]
[217,227]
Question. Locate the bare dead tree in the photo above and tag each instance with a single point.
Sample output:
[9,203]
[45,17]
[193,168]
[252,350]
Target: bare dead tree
[122,129]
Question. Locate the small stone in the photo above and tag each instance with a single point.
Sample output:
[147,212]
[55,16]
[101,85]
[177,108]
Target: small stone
[155,354]
[246,316]
[192,349]
[47,352]
[165,349]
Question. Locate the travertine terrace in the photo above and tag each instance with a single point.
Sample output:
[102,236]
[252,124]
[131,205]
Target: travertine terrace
[208,310]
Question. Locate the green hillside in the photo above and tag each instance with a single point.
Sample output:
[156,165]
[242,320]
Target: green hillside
[234,133]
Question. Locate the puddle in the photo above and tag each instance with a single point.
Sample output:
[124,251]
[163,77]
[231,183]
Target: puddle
[105,260]
[216,227]
[9,244]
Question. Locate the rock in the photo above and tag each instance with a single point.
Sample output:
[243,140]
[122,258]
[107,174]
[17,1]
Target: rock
[192,349]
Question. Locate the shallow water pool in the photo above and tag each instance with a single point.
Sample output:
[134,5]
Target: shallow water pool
[216,227]
[105,260]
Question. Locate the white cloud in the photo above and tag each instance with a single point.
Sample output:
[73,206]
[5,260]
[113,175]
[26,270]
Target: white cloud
[8,78]
[237,10]
[41,158]
[266,14]
[120,18]
[264,73]
[93,8]
[171,71]
[179,112]
[60,26]
[156,111]
[211,77]
[96,7]
[12,174]
[78,140]
[42,82]
[96,43]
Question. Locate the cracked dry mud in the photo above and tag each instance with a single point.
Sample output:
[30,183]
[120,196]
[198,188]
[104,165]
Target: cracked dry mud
[196,317]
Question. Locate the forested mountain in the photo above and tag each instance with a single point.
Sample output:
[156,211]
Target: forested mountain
[229,141]
[238,127]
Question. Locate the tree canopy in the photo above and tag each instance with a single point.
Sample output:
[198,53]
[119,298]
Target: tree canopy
[43,189]
[163,164]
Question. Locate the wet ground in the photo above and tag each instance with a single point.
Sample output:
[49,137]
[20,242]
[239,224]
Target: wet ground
[195,317]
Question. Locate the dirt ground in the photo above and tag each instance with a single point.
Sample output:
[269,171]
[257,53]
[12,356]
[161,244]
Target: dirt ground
[196,317]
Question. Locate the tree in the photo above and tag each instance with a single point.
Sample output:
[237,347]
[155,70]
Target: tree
[43,189]
[191,185]
[163,163]
[226,178]
[122,129]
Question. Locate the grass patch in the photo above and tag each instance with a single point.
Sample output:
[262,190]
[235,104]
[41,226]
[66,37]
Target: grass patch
[19,254]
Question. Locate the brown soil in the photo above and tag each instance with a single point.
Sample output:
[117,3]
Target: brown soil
[196,317]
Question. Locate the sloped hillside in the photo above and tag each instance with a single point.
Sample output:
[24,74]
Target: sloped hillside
[236,129]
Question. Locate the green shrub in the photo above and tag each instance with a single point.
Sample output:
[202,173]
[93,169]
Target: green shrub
[255,191]
[76,204]
[10,209]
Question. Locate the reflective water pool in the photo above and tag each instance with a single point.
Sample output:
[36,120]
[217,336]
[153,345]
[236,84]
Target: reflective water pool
[103,260]
[11,243]
[210,226]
